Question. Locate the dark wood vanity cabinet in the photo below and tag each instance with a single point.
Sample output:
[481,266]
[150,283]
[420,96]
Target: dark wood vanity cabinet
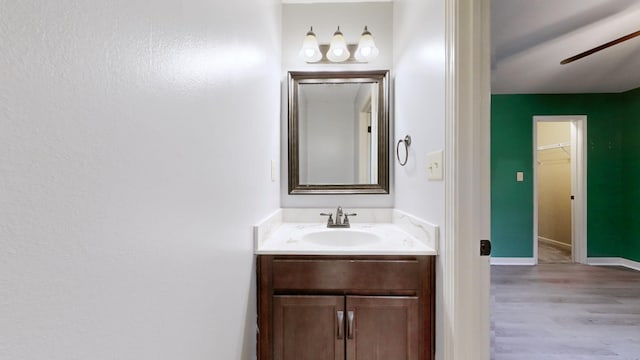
[345,307]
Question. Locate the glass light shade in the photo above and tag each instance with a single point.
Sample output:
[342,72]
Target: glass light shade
[338,50]
[367,49]
[310,51]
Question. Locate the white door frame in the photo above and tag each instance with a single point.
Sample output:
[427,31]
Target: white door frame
[466,275]
[578,184]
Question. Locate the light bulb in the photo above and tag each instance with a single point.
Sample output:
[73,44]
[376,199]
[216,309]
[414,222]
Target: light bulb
[338,51]
[310,51]
[367,49]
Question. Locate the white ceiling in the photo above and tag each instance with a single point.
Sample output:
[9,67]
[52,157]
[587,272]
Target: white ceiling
[529,38]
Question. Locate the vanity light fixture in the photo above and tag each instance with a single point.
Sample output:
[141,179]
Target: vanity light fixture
[367,49]
[310,51]
[338,51]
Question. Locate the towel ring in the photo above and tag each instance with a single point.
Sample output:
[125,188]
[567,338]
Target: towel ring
[407,142]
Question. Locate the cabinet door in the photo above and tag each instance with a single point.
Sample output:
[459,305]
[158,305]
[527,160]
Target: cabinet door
[308,328]
[382,328]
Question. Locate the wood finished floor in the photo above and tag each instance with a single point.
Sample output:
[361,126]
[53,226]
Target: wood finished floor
[565,311]
[549,253]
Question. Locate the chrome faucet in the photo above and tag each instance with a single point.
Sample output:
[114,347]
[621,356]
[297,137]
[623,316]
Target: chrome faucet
[342,219]
[339,215]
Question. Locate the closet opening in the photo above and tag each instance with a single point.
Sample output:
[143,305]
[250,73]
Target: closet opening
[559,189]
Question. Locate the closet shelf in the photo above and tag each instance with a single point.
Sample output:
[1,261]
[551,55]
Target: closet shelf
[562,146]
[554,146]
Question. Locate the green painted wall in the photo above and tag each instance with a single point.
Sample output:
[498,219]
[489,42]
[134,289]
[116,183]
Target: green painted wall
[613,170]
[631,173]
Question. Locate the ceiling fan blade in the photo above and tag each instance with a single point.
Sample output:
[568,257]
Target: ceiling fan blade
[601,47]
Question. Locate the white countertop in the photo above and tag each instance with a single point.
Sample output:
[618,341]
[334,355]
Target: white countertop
[396,233]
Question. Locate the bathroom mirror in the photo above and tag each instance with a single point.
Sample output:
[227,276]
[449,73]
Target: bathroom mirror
[338,132]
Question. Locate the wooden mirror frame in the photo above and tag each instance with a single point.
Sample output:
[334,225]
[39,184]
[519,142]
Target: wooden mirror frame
[381,77]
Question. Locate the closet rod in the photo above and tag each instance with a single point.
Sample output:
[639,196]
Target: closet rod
[554,161]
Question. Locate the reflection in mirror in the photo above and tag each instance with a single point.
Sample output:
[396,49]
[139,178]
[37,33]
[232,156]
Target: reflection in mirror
[335,133]
[338,132]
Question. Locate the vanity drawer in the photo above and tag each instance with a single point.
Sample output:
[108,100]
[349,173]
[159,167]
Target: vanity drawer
[397,274]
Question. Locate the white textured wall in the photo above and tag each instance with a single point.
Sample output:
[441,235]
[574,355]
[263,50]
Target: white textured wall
[419,76]
[419,103]
[135,148]
[325,17]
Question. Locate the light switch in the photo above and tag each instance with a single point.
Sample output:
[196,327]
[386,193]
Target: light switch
[519,176]
[434,165]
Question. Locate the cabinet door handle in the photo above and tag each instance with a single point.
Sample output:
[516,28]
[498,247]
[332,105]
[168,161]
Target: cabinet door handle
[340,315]
[350,324]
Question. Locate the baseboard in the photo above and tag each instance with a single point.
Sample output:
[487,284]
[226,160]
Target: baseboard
[513,261]
[614,261]
[554,242]
[596,261]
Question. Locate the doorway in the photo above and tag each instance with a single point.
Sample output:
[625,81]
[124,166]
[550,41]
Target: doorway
[559,189]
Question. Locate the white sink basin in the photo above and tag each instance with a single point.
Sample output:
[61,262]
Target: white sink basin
[341,238]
